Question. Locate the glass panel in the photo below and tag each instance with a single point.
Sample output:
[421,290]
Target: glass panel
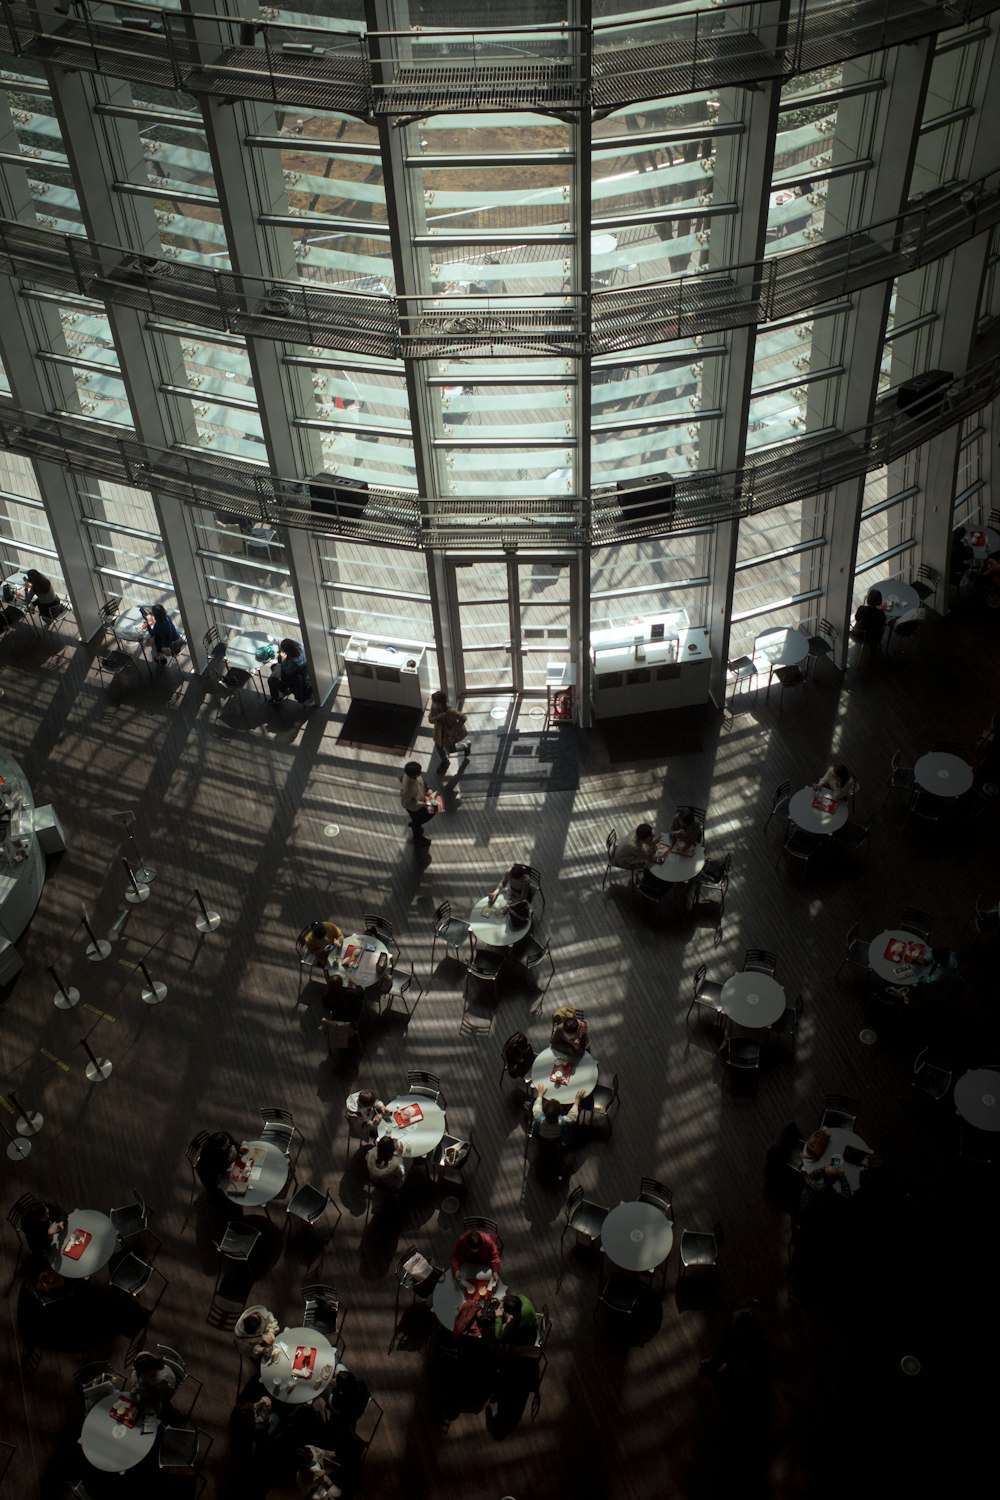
[884,527]
[376,591]
[25,537]
[650,577]
[745,632]
[545,623]
[34,131]
[481,590]
[244,572]
[124,534]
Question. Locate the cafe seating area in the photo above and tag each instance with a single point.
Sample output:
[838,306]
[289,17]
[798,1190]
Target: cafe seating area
[775,1092]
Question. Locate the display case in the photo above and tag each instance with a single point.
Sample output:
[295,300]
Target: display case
[652,662]
[22,863]
[381,671]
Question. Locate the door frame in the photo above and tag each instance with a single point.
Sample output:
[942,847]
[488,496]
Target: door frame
[515,647]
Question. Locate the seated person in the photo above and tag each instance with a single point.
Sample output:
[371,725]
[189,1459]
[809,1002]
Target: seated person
[385,1165]
[321,938]
[517,1322]
[569,1032]
[940,973]
[255,1332]
[962,555]
[315,1477]
[474,1247]
[151,1381]
[476,1319]
[638,850]
[517,884]
[684,830]
[38,590]
[346,1398]
[342,1002]
[363,1113]
[289,675]
[551,1127]
[825,1182]
[217,1156]
[42,1224]
[835,779]
[869,620]
[163,633]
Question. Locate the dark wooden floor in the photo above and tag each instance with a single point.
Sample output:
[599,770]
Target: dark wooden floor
[239,807]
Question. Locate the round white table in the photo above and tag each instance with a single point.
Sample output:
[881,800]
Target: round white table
[989,544]
[813,819]
[366,971]
[268,1176]
[943,774]
[583,1075]
[835,1147]
[783,646]
[420,1138]
[899,596]
[277,1375]
[109,1444]
[895,967]
[753,1000]
[448,1296]
[491,926]
[977,1098]
[677,866]
[637,1236]
[242,648]
[97,1251]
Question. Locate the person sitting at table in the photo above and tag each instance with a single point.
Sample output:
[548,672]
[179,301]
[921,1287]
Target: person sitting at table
[474,1247]
[684,830]
[151,1382]
[39,591]
[315,1477]
[255,1332]
[835,779]
[517,884]
[516,1323]
[825,1182]
[962,555]
[217,1156]
[385,1164]
[363,1113]
[638,850]
[552,1128]
[869,620]
[322,940]
[569,1032]
[42,1224]
[163,633]
[289,675]
[345,1400]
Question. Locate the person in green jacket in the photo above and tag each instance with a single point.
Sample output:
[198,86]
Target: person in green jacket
[517,1321]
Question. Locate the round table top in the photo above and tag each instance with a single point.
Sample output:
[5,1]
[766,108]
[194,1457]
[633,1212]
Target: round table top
[991,545]
[448,1296]
[583,1076]
[894,969]
[98,1250]
[242,648]
[637,1236]
[366,971]
[753,1000]
[814,819]
[783,646]
[977,1098]
[839,1138]
[268,1176]
[419,1139]
[901,596]
[276,1373]
[678,866]
[108,1444]
[943,774]
[491,926]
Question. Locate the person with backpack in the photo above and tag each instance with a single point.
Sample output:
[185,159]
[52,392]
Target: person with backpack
[449,729]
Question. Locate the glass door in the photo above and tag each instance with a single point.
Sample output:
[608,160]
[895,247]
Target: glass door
[512,615]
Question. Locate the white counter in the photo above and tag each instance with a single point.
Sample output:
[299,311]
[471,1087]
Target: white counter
[672,673]
[380,671]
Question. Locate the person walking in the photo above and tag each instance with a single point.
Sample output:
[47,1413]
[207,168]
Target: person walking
[449,729]
[416,800]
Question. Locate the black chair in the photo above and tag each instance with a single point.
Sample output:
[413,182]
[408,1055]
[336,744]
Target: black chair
[237,1245]
[900,777]
[925,584]
[801,845]
[601,1105]
[700,1251]
[132,1275]
[453,931]
[323,1310]
[854,836]
[16,1212]
[620,1294]
[180,1448]
[611,844]
[309,1204]
[924,806]
[699,815]
[904,633]
[452,1154]
[707,993]
[855,950]
[823,644]
[740,1055]
[779,802]
[279,1129]
[658,1194]
[585,1218]
[760,961]
[485,965]
[912,919]
[929,1078]
[131,1220]
[787,1023]
[425,1085]
[742,669]
[193,1151]
[96,1381]
[112,664]
[518,1056]
[404,996]
[840,1112]
[419,1290]
[786,678]
[376,926]
[534,884]
[530,953]
[712,878]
